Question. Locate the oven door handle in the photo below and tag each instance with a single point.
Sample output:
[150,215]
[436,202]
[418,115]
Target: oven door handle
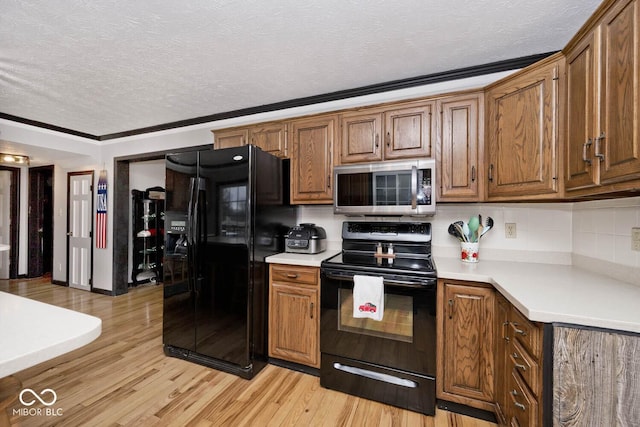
[398,283]
[376,375]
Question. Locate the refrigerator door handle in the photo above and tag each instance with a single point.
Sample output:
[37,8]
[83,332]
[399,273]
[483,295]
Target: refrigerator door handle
[191,256]
[198,230]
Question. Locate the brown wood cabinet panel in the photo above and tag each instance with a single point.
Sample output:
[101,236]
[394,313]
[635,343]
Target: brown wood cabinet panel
[312,142]
[271,137]
[458,154]
[581,67]
[620,86]
[522,132]
[503,341]
[294,314]
[293,324]
[409,131]
[226,138]
[361,134]
[524,408]
[466,339]
[603,77]
[297,274]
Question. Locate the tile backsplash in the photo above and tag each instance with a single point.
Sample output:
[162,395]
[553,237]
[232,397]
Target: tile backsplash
[545,232]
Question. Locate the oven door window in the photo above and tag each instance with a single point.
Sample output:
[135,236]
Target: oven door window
[396,323]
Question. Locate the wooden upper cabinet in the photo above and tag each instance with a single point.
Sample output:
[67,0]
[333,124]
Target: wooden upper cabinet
[270,137]
[581,67]
[226,138]
[409,132]
[361,133]
[312,142]
[461,133]
[603,89]
[389,133]
[620,86]
[522,132]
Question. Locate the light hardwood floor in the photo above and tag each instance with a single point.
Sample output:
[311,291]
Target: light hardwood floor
[124,379]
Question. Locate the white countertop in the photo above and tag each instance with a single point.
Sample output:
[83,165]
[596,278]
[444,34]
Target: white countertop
[549,293]
[302,259]
[554,293]
[32,332]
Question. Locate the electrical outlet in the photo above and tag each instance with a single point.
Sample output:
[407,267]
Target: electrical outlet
[510,230]
[635,239]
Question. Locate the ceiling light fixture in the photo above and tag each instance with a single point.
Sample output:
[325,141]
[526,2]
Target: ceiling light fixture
[14,159]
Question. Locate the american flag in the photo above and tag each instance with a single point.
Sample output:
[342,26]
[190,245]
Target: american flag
[101,212]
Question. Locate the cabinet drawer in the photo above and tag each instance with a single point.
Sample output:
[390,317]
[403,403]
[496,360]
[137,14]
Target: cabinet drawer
[524,407]
[294,274]
[526,332]
[528,368]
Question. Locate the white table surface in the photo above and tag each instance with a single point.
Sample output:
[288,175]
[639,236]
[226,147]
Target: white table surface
[32,332]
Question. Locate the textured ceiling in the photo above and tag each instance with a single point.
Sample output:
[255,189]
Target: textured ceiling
[107,66]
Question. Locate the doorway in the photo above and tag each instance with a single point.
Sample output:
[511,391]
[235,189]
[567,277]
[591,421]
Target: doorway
[9,220]
[79,229]
[40,221]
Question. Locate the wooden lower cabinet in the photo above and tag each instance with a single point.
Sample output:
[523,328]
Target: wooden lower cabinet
[503,341]
[520,361]
[294,314]
[466,343]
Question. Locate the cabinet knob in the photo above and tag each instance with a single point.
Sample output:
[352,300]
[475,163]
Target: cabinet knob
[450,309]
[311,310]
[521,367]
[473,174]
[491,172]
[520,405]
[292,275]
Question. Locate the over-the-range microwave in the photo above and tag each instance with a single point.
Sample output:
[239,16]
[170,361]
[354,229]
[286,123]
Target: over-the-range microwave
[385,188]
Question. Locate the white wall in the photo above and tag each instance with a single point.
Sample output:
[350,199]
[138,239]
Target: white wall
[543,230]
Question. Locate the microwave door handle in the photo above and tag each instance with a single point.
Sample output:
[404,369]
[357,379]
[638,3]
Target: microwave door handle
[414,187]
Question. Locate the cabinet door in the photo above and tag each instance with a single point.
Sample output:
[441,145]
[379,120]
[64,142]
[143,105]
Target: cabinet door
[409,132]
[226,138]
[361,133]
[502,354]
[311,162]
[619,139]
[459,148]
[293,324]
[271,137]
[466,353]
[523,134]
[581,66]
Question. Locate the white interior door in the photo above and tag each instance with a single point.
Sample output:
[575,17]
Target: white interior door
[5,221]
[79,230]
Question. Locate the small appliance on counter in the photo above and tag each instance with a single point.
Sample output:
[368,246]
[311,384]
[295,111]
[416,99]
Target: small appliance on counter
[306,238]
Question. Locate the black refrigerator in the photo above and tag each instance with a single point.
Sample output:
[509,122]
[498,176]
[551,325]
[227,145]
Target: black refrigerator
[225,211]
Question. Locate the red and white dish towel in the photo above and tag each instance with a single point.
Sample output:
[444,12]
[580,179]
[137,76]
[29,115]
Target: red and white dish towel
[368,297]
